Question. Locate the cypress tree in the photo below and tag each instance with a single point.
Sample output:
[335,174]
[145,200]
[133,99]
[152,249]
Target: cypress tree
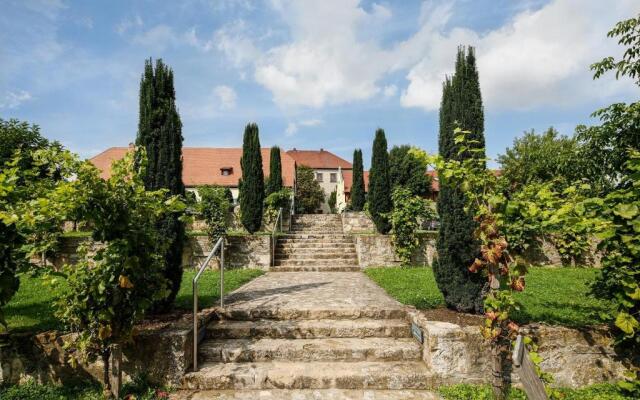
[461,106]
[274,182]
[252,189]
[357,187]
[380,184]
[160,132]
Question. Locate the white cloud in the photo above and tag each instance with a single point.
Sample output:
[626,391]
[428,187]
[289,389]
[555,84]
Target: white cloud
[226,97]
[390,90]
[333,54]
[14,99]
[158,38]
[129,23]
[538,58]
[293,127]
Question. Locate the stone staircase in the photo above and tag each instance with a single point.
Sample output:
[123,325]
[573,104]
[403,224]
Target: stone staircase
[316,242]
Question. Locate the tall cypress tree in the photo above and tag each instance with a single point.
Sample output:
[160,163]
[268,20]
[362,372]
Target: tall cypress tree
[380,184]
[160,132]
[461,106]
[357,187]
[252,188]
[274,182]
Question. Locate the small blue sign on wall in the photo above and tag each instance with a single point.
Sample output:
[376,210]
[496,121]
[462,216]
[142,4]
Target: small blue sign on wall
[417,333]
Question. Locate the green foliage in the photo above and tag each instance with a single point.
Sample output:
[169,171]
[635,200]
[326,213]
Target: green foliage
[106,293]
[16,135]
[357,187]
[160,133]
[274,182]
[540,158]
[252,187]
[275,201]
[409,171]
[408,210]
[379,196]
[332,201]
[309,194]
[628,32]
[214,207]
[461,106]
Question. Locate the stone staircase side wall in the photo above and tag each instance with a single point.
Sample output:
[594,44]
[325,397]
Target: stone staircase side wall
[357,222]
[378,251]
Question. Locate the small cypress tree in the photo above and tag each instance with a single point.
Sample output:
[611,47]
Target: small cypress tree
[357,187]
[160,132]
[274,182]
[380,184]
[461,106]
[252,188]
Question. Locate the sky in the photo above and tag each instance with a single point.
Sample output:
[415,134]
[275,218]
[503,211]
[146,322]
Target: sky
[312,74]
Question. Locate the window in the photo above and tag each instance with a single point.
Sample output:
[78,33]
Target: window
[333,178]
[226,171]
[319,176]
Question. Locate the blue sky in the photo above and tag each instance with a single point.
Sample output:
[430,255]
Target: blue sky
[312,74]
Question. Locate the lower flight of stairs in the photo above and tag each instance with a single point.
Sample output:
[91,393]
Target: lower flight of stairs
[346,352]
[316,242]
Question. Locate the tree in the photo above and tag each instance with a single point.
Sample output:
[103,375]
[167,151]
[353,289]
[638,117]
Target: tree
[357,187]
[540,158]
[379,196]
[309,194]
[408,210]
[108,292]
[274,182]
[160,133]
[461,106]
[252,188]
[408,171]
[16,135]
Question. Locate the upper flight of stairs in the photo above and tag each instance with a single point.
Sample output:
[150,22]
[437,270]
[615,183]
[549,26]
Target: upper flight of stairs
[316,242]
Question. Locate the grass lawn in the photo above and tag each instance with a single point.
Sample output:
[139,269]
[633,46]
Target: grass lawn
[31,309]
[557,296]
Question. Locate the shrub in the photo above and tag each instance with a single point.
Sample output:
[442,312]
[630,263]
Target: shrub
[405,217]
[214,207]
[275,201]
[274,182]
[357,187]
[332,201]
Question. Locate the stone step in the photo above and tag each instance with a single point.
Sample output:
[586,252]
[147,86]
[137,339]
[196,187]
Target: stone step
[314,242]
[306,394]
[315,246]
[309,329]
[315,255]
[330,349]
[316,268]
[335,312]
[302,262]
[313,375]
[314,236]
[316,231]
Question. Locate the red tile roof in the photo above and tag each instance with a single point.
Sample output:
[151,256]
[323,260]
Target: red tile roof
[202,165]
[319,159]
[348,180]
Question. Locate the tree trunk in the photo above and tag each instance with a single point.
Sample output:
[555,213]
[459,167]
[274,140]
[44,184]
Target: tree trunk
[106,376]
[497,381]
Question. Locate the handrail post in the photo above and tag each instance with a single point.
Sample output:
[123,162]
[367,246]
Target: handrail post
[195,325]
[222,274]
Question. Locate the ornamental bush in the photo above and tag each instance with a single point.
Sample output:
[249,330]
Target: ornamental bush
[309,194]
[379,197]
[214,207]
[252,186]
[408,210]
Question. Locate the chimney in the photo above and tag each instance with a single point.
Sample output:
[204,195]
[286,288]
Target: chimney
[321,149]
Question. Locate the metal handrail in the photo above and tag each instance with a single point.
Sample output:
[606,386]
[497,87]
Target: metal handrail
[196,335]
[273,236]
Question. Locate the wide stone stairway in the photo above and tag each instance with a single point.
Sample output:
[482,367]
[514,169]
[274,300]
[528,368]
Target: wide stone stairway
[316,334]
[316,242]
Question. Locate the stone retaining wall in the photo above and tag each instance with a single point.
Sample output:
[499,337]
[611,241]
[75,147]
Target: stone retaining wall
[250,251]
[357,222]
[163,351]
[378,251]
[575,358]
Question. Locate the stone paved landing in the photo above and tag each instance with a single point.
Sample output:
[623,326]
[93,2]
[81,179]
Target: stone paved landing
[312,295]
[333,394]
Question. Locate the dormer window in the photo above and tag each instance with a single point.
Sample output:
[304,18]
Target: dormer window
[226,171]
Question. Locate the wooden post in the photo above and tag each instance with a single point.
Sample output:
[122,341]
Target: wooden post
[116,370]
[526,370]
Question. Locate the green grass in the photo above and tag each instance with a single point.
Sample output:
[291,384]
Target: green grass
[483,392]
[31,309]
[557,296]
